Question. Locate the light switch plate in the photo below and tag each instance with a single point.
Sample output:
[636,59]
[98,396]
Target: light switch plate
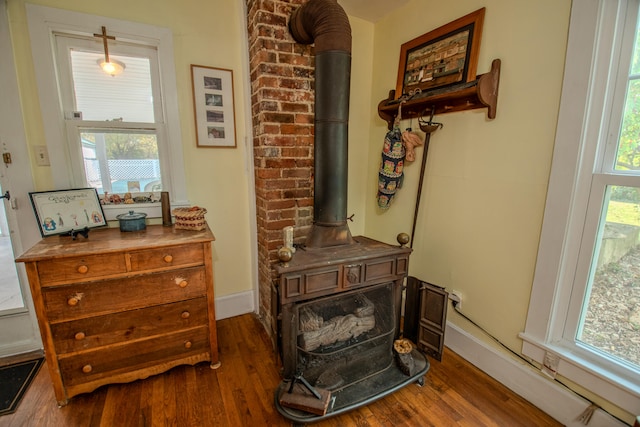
[42,155]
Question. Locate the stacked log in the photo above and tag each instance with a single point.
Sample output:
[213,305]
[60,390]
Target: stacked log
[309,320]
[316,332]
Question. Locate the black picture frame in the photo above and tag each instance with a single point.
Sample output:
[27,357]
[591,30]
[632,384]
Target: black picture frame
[69,212]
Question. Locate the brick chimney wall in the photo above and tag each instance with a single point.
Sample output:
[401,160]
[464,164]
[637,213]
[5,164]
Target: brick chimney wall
[282,99]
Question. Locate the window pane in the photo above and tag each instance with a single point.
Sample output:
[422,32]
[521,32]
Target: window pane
[121,161]
[100,96]
[610,319]
[635,63]
[628,154]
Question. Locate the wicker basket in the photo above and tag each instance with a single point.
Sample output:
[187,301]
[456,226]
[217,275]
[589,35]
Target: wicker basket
[190,218]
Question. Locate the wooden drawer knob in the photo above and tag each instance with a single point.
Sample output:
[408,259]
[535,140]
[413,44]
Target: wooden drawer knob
[82,269]
[73,301]
[185,315]
[79,336]
[167,258]
[87,368]
[187,345]
[183,284]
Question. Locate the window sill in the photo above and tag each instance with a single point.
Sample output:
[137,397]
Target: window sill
[604,383]
[153,210]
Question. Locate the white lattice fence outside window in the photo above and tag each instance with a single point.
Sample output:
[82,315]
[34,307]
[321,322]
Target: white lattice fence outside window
[123,170]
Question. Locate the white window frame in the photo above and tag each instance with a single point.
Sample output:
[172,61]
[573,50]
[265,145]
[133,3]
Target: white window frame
[64,43]
[570,218]
[43,23]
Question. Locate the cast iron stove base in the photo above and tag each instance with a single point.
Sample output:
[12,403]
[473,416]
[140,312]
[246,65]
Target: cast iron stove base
[360,393]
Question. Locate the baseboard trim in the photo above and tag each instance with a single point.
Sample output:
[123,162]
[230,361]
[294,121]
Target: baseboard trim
[20,347]
[553,399]
[235,305]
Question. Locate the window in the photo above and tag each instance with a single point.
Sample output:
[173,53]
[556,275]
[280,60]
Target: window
[116,133]
[582,305]
[118,141]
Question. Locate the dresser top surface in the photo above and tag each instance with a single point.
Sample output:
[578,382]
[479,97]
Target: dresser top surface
[105,240]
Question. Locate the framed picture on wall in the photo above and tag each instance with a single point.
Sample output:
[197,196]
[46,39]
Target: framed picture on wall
[213,106]
[443,57]
[67,211]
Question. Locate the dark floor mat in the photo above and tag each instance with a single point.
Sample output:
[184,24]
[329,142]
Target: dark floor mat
[15,380]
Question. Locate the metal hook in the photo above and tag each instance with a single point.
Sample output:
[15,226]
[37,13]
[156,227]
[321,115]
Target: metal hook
[429,126]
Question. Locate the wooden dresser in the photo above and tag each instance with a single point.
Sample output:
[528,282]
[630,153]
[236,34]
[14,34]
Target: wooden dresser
[121,306]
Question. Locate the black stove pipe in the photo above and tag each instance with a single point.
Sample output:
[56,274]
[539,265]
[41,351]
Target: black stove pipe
[325,23]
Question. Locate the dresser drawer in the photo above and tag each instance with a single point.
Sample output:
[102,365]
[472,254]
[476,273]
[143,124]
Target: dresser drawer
[170,256]
[131,325]
[81,300]
[118,359]
[77,269]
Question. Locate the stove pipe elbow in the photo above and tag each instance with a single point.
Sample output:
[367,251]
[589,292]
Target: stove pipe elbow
[326,24]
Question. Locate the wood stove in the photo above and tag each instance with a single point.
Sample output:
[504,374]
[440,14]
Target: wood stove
[337,300]
[339,314]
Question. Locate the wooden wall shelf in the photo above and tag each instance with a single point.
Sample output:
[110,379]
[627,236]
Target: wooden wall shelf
[481,93]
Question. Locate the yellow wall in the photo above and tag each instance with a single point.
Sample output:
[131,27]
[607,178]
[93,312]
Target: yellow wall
[205,33]
[360,115]
[485,186]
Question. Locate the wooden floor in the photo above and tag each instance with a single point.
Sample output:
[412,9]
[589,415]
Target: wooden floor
[240,393]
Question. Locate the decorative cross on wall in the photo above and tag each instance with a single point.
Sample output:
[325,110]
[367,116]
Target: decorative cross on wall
[104,38]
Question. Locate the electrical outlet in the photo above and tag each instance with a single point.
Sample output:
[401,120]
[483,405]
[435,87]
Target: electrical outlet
[456,297]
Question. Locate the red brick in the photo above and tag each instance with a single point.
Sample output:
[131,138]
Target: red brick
[296,107]
[279,225]
[280,163]
[281,140]
[305,202]
[280,184]
[278,117]
[269,173]
[301,84]
[280,204]
[300,193]
[304,118]
[264,17]
[286,129]
[296,173]
[301,163]
[295,151]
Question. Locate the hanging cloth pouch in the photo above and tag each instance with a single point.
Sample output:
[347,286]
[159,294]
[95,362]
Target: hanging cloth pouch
[390,175]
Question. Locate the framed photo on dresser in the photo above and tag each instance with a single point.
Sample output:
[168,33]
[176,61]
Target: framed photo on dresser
[65,211]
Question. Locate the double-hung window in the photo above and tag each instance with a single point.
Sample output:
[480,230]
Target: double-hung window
[114,123]
[118,131]
[585,304]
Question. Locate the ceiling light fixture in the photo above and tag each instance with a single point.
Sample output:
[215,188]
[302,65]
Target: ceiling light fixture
[111,67]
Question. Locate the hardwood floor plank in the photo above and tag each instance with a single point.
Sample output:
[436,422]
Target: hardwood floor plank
[240,393]
[169,403]
[146,401]
[207,394]
[156,400]
[121,406]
